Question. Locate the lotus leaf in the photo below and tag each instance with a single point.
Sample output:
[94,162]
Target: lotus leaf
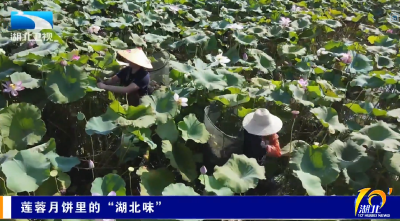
[52,187]
[64,164]
[110,182]
[179,189]
[314,166]
[21,125]
[140,116]
[26,171]
[181,158]
[26,79]
[264,62]
[328,117]
[240,173]
[213,186]
[351,156]
[168,131]
[378,135]
[193,129]
[144,134]
[163,104]
[66,85]
[99,125]
[155,181]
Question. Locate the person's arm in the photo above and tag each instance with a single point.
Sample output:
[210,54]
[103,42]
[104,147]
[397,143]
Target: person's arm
[122,90]
[112,81]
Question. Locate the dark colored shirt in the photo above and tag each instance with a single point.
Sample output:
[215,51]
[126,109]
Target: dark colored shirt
[253,147]
[141,78]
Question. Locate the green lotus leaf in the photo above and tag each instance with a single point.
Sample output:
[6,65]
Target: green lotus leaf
[21,125]
[193,129]
[196,39]
[179,189]
[356,108]
[140,116]
[351,156]
[99,125]
[4,41]
[367,81]
[232,79]
[64,164]
[360,63]
[391,161]
[8,156]
[275,31]
[285,151]
[394,113]
[163,104]
[144,134]
[153,38]
[328,116]
[232,54]
[336,47]
[264,62]
[26,79]
[7,67]
[155,181]
[118,44]
[181,158]
[240,173]
[330,23]
[378,135]
[291,50]
[38,52]
[245,39]
[280,97]
[212,185]
[111,182]
[26,171]
[314,166]
[80,116]
[232,100]
[66,85]
[98,46]
[49,146]
[300,95]
[382,40]
[137,40]
[217,25]
[168,131]
[356,180]
[300,24]
[184,68]
[259,31]
[383,62]
[52,187]
[209,80]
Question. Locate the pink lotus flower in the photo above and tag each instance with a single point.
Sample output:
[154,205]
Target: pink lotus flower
[303,82]
[63,63]
[13,88]
[284,22]
[346,58]
[75,57]
[389,31]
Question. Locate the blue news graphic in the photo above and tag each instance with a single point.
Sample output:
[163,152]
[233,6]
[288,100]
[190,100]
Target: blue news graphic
[37,20]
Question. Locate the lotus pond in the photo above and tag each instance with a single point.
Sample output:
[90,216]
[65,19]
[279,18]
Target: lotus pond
[328,69]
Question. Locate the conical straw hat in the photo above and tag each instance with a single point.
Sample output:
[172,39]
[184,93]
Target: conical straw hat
[262,123]
[136,56]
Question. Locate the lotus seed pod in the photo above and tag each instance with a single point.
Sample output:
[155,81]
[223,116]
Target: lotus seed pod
[64,63]
[203,170]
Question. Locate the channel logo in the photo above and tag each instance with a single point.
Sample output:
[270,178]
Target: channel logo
[36,20]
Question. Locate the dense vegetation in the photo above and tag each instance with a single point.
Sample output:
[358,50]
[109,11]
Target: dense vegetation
[328,69]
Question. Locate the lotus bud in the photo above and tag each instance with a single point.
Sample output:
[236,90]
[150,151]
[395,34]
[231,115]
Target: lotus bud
[91,164]
[31,44]
[245,57]
[295,113]
[203,170]
[64,63]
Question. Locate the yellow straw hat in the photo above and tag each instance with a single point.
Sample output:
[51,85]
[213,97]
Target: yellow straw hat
[136,56]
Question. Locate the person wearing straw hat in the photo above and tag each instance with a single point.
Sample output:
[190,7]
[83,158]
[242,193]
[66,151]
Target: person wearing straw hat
[134,79]
[260,135]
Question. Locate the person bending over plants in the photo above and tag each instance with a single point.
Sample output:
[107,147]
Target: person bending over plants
[134,79]
[260,134]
